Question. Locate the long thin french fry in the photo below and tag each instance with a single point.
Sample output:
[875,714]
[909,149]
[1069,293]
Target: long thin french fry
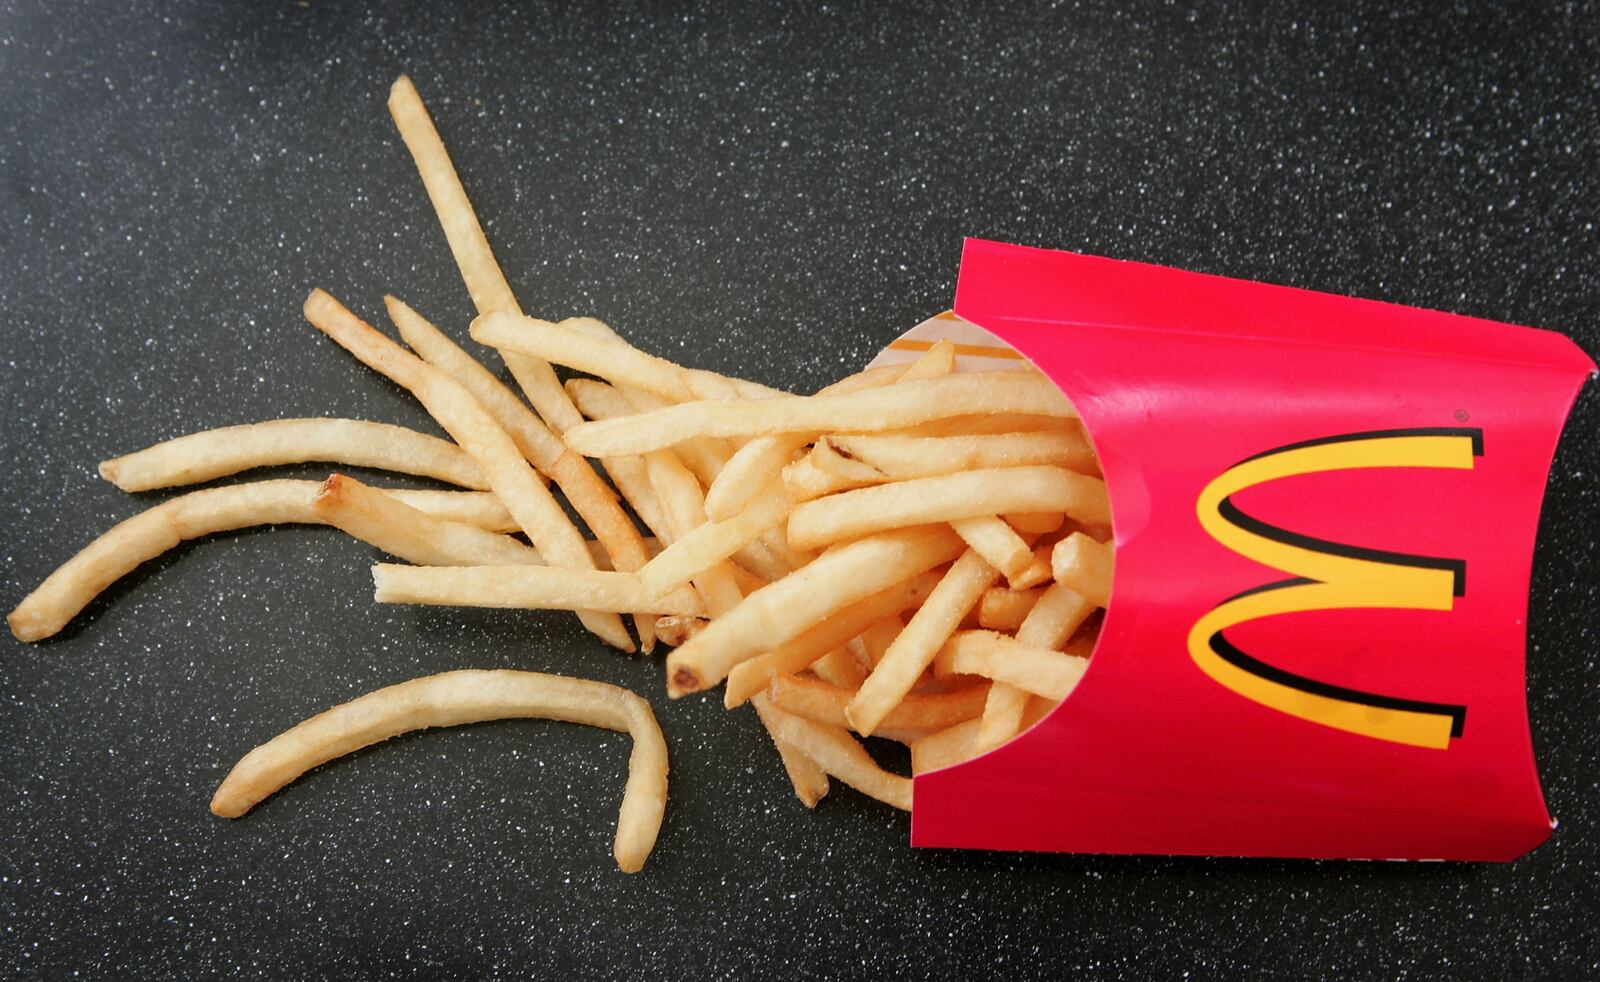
[456,698]
[915,647]
[810,781]
[750,677]
[971,494]
[838,753]
[780,611]
[484,278]
[900,458]
[902,404]
[824,703]
[383,520]
[530,587]
[1041,671]
[217,453]
[503,465]
[590,497]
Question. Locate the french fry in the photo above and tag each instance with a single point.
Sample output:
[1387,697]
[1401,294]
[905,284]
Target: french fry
[139,539]
[1001,609]
[679,494]
[780,611]
[217,453]
[1035,522]
[915,647]
[945,748]
[675,629]
[977,424]
[1002,716]
[506,470]
[711,543]
[822,702]
[1084,565]
[588,494]
[900,458]
[1059,613]
[484,279]
[525,587]
[383,520]
[825,456]
[1037,571]
[750,471]
[810,781]
[994,540]
[840,668]
[454,699]
[805,479]
[902,404]
[838,753]
[754,675]
[707,385]
[970,494]
[1041,671]
[761,460]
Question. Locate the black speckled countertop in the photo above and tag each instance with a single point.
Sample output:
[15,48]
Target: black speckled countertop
[784,190]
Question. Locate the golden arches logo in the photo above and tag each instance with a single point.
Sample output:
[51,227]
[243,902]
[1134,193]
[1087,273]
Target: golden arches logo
[1330,576]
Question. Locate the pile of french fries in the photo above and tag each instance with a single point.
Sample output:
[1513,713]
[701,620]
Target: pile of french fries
[916,552]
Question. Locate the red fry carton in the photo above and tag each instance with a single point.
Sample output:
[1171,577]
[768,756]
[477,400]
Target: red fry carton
[1324,513]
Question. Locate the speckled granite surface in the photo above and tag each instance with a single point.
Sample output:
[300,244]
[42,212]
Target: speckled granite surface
[785,190]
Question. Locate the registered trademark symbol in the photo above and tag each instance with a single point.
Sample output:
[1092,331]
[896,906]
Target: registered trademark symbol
[1461,416]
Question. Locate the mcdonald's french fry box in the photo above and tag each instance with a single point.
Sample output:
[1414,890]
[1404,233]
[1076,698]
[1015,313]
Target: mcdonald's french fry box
[1324,513]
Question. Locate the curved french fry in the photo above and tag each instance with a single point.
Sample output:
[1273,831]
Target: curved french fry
[456,698]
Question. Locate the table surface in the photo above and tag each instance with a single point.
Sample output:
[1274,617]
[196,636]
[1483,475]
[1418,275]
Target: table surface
[773,191]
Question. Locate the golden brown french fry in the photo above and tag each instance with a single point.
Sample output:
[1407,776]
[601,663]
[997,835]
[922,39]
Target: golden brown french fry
[479,508]
[530,587]
[753,676]
[482,274]
[1035,522]
[823,702]
[945,748]
[703,384]
[810,781]
[971,494]
[838,753]
[679,494]
[150,533]
[454,699]
[1059,613]
[710,543]
[779,611]
[875,640]
[355,443]
[1001,609]
[383,520]
[153,531]
[1041,671]
[675,629]
[994,540]
[825,456]
[588,494]
[1084,565]
[902,404]
[506,470]
[1037,571]
[750,471]
[915,647]
[761,460]
[840,668]
[900,458]
[979,424]
[804,480]
[1002,716]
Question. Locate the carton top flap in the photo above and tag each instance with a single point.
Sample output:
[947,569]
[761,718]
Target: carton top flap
[1000,281]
